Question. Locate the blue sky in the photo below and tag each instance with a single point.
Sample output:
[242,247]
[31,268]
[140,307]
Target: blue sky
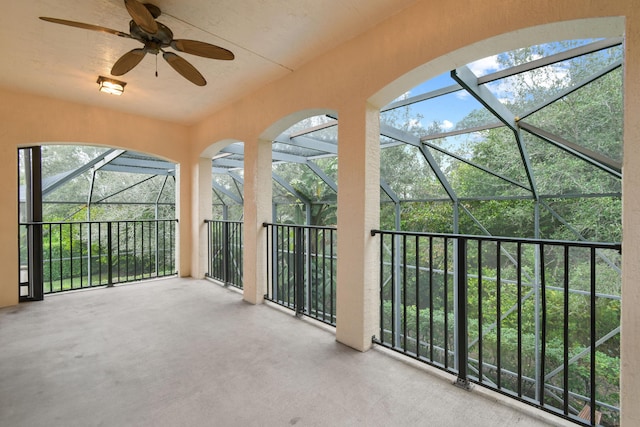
[450,109]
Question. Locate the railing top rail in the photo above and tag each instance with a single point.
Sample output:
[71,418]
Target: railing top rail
[322,227]
[582,244]
[97,222]
[228,221]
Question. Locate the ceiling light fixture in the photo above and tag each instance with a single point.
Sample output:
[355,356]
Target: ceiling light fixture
[110,86]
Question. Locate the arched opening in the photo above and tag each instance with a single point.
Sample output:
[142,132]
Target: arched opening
[526,145]
[93,216]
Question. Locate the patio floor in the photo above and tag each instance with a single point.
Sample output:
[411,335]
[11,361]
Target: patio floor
[186,352]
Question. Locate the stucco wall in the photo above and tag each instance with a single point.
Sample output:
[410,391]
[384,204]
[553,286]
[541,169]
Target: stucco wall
[32,120]
[368,71]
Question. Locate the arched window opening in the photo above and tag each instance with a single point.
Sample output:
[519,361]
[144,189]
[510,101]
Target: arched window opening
[518,158]
[102,216]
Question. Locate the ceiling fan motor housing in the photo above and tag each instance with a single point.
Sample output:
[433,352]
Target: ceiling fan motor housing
[162,37]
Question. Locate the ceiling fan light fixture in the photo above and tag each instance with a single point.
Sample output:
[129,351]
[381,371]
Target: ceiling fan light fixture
[110,86]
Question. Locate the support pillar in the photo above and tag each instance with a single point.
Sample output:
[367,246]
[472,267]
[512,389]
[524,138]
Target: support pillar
[257,210]
[358,274]
[202,196]
[183,214]
[9,259]
[630,319]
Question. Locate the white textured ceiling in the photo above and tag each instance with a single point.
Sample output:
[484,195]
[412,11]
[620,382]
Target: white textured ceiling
[270,38]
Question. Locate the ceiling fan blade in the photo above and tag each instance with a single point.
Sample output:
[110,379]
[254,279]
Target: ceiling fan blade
[183,67]
[85,26]
[141,16]
[128,61]
[203,49]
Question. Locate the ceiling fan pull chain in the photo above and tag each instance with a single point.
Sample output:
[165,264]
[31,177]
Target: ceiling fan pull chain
[156,65]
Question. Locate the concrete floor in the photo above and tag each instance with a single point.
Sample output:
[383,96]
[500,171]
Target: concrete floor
[183,352]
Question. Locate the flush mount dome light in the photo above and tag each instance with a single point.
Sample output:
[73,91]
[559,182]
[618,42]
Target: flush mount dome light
[111,86]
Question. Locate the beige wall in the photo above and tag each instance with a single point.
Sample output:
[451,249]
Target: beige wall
[33,120]
[372,69]
[361,75]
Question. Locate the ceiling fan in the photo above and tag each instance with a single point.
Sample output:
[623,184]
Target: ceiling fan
[155,37]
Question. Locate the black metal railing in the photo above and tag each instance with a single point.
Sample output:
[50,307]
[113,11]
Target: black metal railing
[79,255]
[533,319]
[301,269]
[225,248]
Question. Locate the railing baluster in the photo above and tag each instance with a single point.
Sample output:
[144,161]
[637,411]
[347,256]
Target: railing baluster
[71,255]
[522,377]
[299,271]
[565,355]
[519,317]
[381,337]
[109,256]
[543,326]
[323,289]
[480,313]
[593,340]
[499,315]
[269,258]
[135,252]
[431,298]
[298,250]
[81,257]
[61,258]
[446,303]
[67,258]
[126,249]
[393,292]
[118,253]
[404,293]
[50,258]
[332,281]
[461,314]
[225,253]
[417,248]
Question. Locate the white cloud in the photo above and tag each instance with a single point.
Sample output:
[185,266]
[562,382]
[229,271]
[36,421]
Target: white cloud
[447,125]
[404,96]
[414,123]
[485,65]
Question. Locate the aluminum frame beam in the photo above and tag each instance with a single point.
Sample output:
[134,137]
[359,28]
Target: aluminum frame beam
[290,189]
[389,191]
[322,175]
[552,59]
[411,139]
[76,172]
[465,77]
[577,86]
[331,123]
[594,158]
[136,170]
[226,192]
[308,143]
[143,163]
[422,97]
[475,165]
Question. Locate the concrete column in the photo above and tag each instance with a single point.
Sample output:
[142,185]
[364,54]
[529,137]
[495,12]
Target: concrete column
[202,198]
[630,338]
[183,214]
[358,213]
[9,261]
[257,210]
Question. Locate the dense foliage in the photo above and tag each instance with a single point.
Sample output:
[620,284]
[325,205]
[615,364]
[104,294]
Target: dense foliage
[576,201]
